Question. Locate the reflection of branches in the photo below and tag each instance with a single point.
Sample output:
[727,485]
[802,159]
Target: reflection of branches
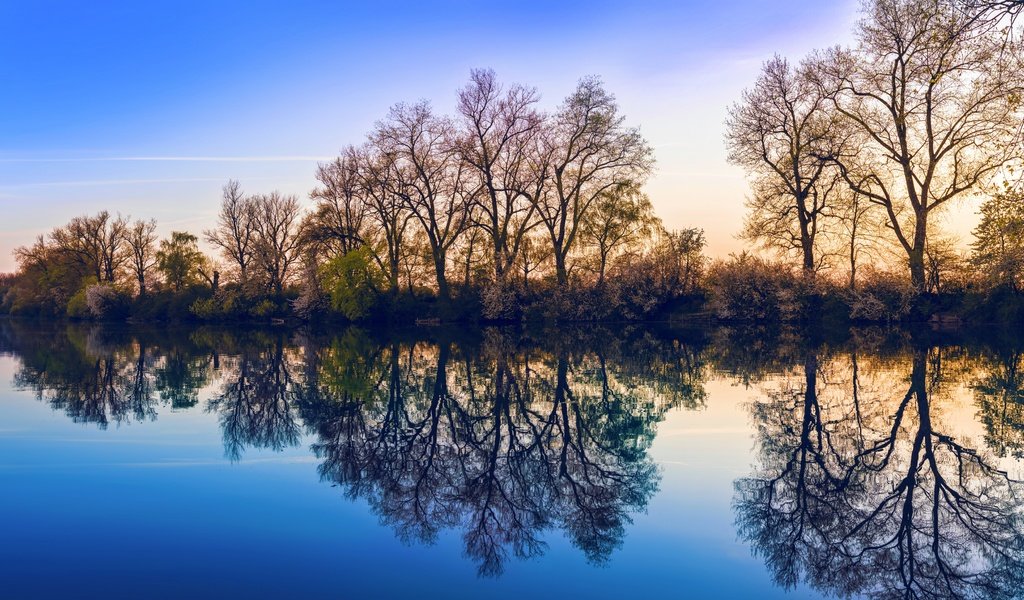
[103,388]
[501,446]
[912,513]
[1000,396]
[180,375]
[788,511]
[256,403]
[503,441]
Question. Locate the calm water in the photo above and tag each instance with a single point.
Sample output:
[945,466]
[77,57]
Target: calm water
[571,463]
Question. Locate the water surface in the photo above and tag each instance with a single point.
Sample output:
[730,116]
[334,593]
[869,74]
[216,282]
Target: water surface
[573,462]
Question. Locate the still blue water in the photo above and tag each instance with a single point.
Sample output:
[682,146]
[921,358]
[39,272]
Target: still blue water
[141,463]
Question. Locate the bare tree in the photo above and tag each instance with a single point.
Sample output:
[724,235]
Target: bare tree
[429,177]
[387,211]
[859,234]
[498,128]
[96,242]
[235,233]
[782,134]
[141,242]
[276,240]
[934,97]
[621,216]
[589,150]
[340,212]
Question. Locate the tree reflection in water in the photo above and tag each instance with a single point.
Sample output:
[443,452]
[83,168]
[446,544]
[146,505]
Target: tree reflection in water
[498,437]
[861,490]
[502,443]
[865,484]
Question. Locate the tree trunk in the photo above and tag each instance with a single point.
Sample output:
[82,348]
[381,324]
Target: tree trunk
[393,273]
[442,280]
[915,256]
[561,274]
[808,251]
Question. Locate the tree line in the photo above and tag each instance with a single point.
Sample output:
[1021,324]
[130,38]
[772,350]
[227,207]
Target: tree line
[503,210]
[499,206]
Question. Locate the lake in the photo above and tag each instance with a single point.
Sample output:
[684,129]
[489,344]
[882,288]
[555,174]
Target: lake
[576,462]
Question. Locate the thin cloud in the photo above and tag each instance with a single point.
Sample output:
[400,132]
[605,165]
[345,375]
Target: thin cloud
[108,182]
[171,159]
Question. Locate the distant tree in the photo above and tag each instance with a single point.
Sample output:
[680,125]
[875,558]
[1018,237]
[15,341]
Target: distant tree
[340,212]
[679,258]
[276,226]
[945,264]
[932,95]
[141,242]
[588,150]
[860,233]
[181,262]
[620,217]
[353,282]
[48,277]
[998,248]
[96,242]
[235,232]
[781,132]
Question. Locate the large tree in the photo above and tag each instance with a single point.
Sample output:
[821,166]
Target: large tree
[96,242]
[933,95]
[588,150]
[235,232]
[376,171]
[429,177]
[498,128]
[140,239]
[781,133]
[277,219]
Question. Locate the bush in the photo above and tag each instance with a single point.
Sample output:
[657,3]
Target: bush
[352,282]
[501,300]
[77,307]
[882,296]
[106,302]
[749,288]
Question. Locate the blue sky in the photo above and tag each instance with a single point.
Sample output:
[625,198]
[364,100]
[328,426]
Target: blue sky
[147,108]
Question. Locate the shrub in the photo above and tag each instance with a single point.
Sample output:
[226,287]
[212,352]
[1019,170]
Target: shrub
[106,302]
[501,300]
[749,288]
[352,282]
[882,296]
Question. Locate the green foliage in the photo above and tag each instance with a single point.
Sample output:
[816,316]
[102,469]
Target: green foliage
[180,261]
[353,282]
[999,241]
[77,307]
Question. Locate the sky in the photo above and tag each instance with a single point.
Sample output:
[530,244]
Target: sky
[148,108]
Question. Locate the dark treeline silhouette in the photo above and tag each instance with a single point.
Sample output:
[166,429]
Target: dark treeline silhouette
[865,481]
